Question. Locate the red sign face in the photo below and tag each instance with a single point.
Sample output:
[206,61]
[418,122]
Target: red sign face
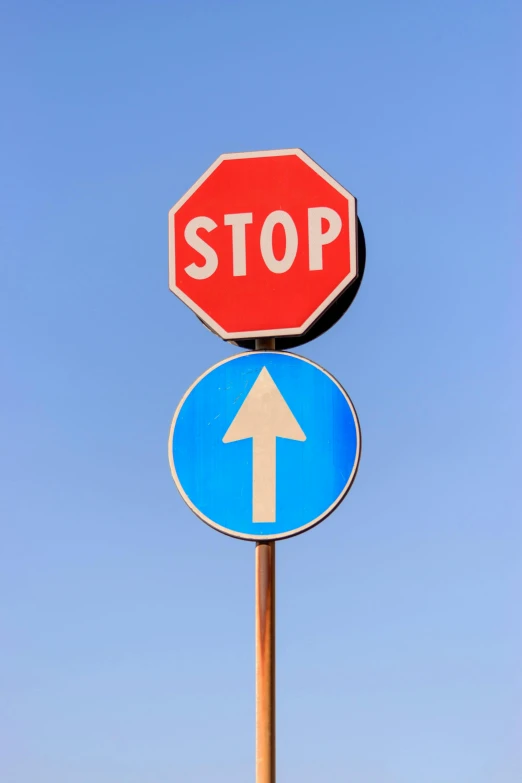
[262,244]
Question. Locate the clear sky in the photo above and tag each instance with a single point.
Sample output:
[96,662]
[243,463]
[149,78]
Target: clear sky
[127,650]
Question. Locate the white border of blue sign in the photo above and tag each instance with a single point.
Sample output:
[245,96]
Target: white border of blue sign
[290,533]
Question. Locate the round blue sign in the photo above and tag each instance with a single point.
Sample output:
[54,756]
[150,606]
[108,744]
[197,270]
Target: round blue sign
[264,445]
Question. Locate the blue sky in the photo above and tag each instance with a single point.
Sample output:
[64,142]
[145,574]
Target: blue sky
[127,643]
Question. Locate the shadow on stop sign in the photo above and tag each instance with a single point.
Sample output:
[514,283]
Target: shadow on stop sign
[264,445]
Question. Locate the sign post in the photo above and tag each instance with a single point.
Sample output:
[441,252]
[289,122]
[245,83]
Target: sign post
[265,662]
[266,444]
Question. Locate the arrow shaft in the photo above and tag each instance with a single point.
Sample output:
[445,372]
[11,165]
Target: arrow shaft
[264,479]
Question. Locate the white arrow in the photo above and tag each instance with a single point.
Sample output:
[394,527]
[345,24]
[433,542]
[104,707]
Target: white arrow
[264,416]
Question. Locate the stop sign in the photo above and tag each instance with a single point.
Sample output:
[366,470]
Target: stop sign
[262,244]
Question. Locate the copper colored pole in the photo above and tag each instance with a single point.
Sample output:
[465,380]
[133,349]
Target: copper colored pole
[265,646]
[265,662]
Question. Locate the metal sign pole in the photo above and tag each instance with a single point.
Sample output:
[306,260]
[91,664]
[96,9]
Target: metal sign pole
[265,662]
[265,648]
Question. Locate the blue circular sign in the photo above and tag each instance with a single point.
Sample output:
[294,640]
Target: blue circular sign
[264,445]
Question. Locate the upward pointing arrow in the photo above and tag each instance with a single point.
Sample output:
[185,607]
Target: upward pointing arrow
[264,416]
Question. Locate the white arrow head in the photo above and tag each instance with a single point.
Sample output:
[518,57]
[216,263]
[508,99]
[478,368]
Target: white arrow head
[264,413]
[264,416]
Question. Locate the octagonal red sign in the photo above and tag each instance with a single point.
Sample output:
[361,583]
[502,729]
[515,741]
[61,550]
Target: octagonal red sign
[262,244]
